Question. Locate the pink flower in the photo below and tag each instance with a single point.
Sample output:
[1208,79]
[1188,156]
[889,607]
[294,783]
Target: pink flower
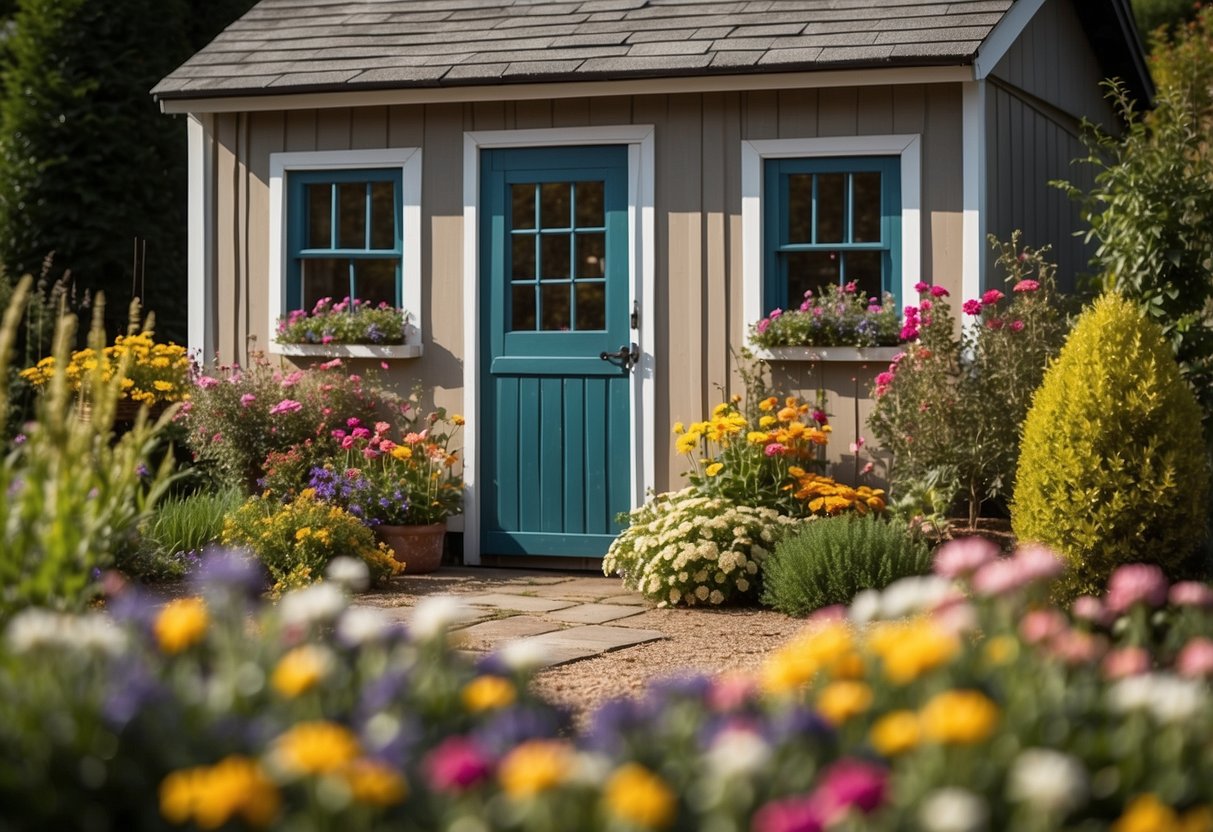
[1041,625]
[939,292]
[353,422]
[762,325]
[972,307]
[998,577]
[1136,583]
[867,469]
[352,473]
[370,453]
[455,765]
[286,406]
[247,399]
[338,434]
[386,446]
[360,433]
[994,324]
[383,365]
[921,286]
[991,297]
[1074,647]
[382,427]
[850,288]
[793,814]
[414,438]
[909,333]
[775,313]
[206,382]
[804,306]
[1196,658]
[1016,326]
[218,437]
[964,556]
[884,379]
[331,365]
[774,449]
[1038,563]
[925,306]
[326,339]
[1127,661]
[851,784]
[292,379]
[730,692]
[911,313]
[347,442]
[1191,594]
[858,444]
[1026,286]
[1089,608]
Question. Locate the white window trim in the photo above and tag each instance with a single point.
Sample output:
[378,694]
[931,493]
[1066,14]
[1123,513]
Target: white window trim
[642,263]
[408,159]
[753,153]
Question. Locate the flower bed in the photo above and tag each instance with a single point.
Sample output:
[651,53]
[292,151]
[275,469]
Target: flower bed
[837,317]
[348,321]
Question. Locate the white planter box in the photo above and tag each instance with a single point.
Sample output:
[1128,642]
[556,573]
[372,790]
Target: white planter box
[347,350]
[874,355]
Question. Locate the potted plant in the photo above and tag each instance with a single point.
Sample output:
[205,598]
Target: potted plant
[836,316]
[348,327]
[403,484]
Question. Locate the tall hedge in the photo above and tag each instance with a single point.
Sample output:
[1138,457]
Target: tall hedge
[1111,468]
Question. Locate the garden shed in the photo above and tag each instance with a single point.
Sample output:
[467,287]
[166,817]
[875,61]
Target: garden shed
[584,205]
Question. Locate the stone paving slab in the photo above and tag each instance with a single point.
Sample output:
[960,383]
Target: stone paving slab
[594,613]
[581,642]
[633,599]
[521,603]
[498,631]
[465,616]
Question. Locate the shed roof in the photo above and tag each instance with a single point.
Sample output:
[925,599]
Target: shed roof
[286,46]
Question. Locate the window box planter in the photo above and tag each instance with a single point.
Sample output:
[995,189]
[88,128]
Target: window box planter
[347,350]
[832,354]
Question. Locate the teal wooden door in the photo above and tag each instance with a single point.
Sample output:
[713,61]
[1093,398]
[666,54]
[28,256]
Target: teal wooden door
[555,417]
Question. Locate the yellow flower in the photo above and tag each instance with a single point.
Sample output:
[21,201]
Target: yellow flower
[688,442]
[720,409]
[959,717]
[840,701]
[533,767]
[757,437]
[303,534]
[1000,650]
[316,748]
[1147,814]
[181,624]
[300,670]
[768,404]
[1197,819]
[162,386]
[375,783]
[714,469]
[638,796]
[767,421]
[679,427]
[402,452]
[786,670]
[909,650]
[787,414]
[895,733]
[488,693]
[213,795]
[458,420]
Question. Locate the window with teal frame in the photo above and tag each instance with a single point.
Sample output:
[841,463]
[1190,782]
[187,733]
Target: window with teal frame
[830,220]
[344,236]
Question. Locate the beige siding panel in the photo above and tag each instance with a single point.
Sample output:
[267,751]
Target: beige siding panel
[874,112]
[406,126]
[333,129]
[611,110]
[368,127]
[488,115]
[760,114]
[533,114]
[227,238]
[736,325]
[571,112]
[717,335]
[300,130]
[797,114]
[838,111]
[266,136]
[943,187]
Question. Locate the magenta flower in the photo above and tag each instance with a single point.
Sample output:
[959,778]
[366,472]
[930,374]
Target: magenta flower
[972,307]
[456,765]
[850,288]
[909,333]
[911,313]
[804,306]
[819,416]
[1016,326]
[360,433]
[1195,659]
[939,292]
[286,406]
[1136,583]
[353,422]
[247,399]
[347,442]
[964,556]
[884,379]
[991,297]
[994,324]
[796,814]
[331,364]
[1127,661]
[206,382]
[851,784]
[925,306]
[1191,594]
[1026,286]
[774,449]
[921,286]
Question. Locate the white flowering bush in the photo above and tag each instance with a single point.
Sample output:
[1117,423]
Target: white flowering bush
[684,548]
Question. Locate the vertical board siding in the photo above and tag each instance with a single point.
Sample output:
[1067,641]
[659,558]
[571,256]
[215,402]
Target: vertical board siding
[698,243]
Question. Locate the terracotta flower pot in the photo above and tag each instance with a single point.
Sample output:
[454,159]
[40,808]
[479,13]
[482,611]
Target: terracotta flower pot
[419,548]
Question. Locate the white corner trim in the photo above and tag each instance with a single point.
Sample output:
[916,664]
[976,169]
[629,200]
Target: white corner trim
[408,159]
[908,146]
[642,254]
[973,165]
[1004,35]
[200,331]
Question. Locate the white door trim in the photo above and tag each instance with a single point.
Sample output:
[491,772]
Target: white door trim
[641,240]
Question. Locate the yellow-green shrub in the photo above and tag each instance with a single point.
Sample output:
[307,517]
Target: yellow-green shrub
[1112,468]
[295,541]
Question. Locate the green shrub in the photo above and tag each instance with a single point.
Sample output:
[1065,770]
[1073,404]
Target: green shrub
[71,493]
[683,548]
[831,559]
[1112,470]
[295,541]
[174,537]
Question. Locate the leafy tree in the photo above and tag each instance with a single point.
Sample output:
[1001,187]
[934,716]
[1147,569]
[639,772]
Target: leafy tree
[1152,14]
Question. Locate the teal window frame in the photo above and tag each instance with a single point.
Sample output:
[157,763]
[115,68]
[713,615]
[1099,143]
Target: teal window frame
[777,175]
[297,206]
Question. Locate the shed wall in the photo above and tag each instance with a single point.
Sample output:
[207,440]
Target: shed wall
[698,211]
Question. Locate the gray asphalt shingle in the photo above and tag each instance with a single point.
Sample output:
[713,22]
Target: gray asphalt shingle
[330,45]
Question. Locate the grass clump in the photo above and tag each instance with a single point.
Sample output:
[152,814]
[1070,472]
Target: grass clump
[829,560]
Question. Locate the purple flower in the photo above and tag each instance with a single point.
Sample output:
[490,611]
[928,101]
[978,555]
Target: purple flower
[20,439]
[228,572]
[1136,583]
[511,726]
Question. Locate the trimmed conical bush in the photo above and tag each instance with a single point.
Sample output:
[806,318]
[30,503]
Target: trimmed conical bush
[1112,464]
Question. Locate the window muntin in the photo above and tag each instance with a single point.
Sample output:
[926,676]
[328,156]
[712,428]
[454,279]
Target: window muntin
[344,236]
[830,220]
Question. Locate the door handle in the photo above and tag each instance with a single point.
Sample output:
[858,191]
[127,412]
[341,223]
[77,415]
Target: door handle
[628,356]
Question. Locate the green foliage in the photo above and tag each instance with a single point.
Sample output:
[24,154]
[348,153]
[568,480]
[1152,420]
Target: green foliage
[950,407]
[1151,213]
[683,548]
[1151,14]
[1112,470]
[70,491]
[837,317]
[295,541]
[831,559]
[179,528]
[345,322]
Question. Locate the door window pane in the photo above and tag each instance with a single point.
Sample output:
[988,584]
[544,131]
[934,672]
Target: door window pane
[554,257]
[351,215]
[810,270]
[591,306]
[522,307]
[831,188]
[589,205]
[555,204]
[522,206]
[383,215]
[319,216]
[865,207]
[522,253]
[591,255]
[554,306]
